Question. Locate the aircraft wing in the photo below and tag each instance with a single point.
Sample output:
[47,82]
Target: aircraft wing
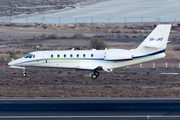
[88,67]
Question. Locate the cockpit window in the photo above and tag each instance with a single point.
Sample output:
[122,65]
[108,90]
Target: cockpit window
[29,56]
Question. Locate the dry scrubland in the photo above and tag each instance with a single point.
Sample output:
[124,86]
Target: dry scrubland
[17,39]
[65,83]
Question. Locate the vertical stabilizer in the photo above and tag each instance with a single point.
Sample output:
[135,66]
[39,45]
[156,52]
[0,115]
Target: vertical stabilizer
[157,39]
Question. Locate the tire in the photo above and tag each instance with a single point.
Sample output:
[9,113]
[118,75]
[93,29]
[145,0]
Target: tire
[24,74]
[94,76]
[96,72]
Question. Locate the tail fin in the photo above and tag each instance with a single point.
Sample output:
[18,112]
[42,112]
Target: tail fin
[157,39]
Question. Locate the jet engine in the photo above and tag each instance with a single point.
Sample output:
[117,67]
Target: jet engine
[118,55]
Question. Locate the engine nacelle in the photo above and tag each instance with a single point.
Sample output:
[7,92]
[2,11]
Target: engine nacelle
[118,55]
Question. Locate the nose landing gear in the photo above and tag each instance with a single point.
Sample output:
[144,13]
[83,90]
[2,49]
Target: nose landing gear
[24,73]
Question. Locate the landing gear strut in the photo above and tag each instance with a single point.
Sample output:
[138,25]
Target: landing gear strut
[95,75]
[24,73]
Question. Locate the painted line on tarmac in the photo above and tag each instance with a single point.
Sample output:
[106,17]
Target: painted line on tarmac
[170,73]
[36,117]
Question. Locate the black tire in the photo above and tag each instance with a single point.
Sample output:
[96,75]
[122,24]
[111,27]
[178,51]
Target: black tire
[96,72]
[94,76]
[24,74]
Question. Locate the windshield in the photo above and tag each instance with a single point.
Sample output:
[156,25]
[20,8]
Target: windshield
[29,56]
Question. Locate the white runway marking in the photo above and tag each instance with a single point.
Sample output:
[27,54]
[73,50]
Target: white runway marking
[170,73]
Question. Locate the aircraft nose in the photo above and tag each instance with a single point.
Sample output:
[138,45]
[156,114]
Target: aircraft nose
[15,62]
[10,63]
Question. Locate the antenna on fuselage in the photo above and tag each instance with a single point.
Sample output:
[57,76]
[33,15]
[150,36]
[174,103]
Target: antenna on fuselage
[72,49]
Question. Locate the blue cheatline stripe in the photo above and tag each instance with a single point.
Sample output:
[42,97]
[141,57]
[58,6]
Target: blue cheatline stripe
[31,61]
[86,59]
[148,55]
[63,59]
[120,59]
[162,51]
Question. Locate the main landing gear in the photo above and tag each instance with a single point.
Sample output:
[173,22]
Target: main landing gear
[95,74]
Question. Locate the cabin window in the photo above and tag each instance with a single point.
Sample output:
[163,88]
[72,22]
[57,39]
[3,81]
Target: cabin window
[92,55]
[84,55]
[64,55]
[33,56]
[51,56]
[71,55]
[77,55]
[58,55]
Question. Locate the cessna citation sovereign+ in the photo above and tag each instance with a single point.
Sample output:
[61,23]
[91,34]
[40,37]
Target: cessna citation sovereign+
[152,48]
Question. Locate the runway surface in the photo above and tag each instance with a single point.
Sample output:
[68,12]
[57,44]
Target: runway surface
[90,108]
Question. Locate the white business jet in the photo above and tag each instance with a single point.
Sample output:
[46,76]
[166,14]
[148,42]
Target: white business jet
[152,48]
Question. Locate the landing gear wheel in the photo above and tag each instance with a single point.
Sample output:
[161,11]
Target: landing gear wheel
[97,73]
[24,75]
[94,76]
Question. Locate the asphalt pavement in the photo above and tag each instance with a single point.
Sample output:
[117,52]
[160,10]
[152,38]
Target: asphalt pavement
[90,108]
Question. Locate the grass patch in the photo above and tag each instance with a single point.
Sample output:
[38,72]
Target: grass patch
[109,86]
[81,81]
